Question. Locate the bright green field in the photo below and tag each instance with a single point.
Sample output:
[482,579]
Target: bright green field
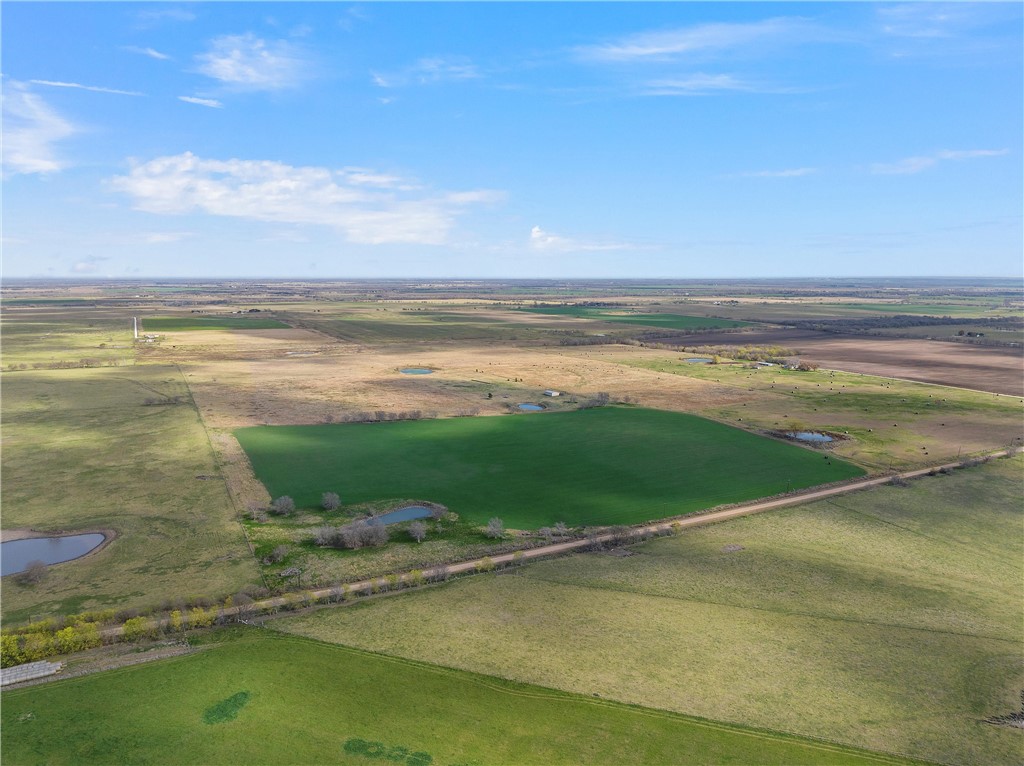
[262,698]
[887,619]
[673,321]
[170,324]
[608,465]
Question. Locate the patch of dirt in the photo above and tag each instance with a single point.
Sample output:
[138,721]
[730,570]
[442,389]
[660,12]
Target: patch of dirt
[731,548]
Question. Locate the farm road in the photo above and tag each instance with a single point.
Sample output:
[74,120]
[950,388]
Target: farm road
[556,549]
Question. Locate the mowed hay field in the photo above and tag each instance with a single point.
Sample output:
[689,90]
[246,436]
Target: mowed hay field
[609,465]
[887,619]
[264,698]
[118,449]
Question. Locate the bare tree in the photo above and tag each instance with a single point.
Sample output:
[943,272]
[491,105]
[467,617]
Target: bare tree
[495,528]
[34,573]
[283,506]
[278,554]
[257,512]
[561,530]
[330,501]
[418,531]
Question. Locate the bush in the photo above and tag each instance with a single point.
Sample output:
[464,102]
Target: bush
[330,501]
[495,528]
[363,534]
[283,506]
[34,573]
[137,628]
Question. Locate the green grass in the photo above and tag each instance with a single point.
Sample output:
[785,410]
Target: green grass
[887,619]
[593,467]
[673,321]
[120,449]
[34,337]
[187,323]
[267,699]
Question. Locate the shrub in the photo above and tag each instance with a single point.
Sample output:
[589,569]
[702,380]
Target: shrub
[283,506]
[34,573]
[137,628]
[495,528]
[330,501]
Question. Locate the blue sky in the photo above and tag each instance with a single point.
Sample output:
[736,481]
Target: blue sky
[512,139]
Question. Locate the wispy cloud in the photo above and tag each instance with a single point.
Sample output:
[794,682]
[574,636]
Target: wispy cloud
[166,237]
[31,128]
[703,39]
[427,71]
[79,86]
[153,54]
[911,165]
[366,207]
[248,62]
[210,102]
[554,243]
[153,17]
[88,265]
[701,84]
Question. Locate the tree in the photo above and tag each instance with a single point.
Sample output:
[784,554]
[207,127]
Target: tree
[418,531]
[561,530]
[495,528]
[330,501]
[283,506]
[137,628]
[34,573]
[278,554]
[486,564]
[175,621]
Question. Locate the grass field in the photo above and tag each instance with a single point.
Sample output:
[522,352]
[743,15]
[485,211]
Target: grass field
[35,336]
[887,619]
[118,449]
[188,323]
[327,704]
[593,467]
[672,321]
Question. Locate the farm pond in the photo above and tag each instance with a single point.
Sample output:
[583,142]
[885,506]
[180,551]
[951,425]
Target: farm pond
[810,436]
[408,513]
[16,555]
[416,371]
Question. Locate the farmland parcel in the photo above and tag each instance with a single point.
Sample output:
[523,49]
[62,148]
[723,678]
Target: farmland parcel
[593,467]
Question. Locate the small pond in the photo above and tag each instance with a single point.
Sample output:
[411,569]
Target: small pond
[16,555]
[530,407]
[810,436]
[700,360]
[408,513]
[416,371]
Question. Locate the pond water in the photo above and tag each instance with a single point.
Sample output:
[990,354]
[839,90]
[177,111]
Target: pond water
[531,407]
[810,436]
[408,513]
[700,360]
[16,555]
[415,371]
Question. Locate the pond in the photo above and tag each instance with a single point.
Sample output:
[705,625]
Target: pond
[408,513]
[16,555]
[700,360]
[810,436]
[529,407]
[416,371]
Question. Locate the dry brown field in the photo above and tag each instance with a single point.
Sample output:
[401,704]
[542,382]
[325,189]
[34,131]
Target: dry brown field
[981,368]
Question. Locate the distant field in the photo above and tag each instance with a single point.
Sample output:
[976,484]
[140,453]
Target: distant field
[118,449]
[593,467]
[672,321]
[69,335]
[262,698]
[170,324]
[887,619]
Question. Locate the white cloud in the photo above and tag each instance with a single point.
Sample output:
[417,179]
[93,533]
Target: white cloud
[88,265]
[153,54]
[670,44]
[210,102]
[548,242]
[911,165]
[250,63]
[427,71]
[381,211]
[79,86]
[30,127]
[151,18]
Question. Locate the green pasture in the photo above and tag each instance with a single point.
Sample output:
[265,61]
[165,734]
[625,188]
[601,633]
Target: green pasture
[70,335]
[887,619]
[119,449]
[188,323]
[672,321]
[891,422]
[259,697]
[601,466]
